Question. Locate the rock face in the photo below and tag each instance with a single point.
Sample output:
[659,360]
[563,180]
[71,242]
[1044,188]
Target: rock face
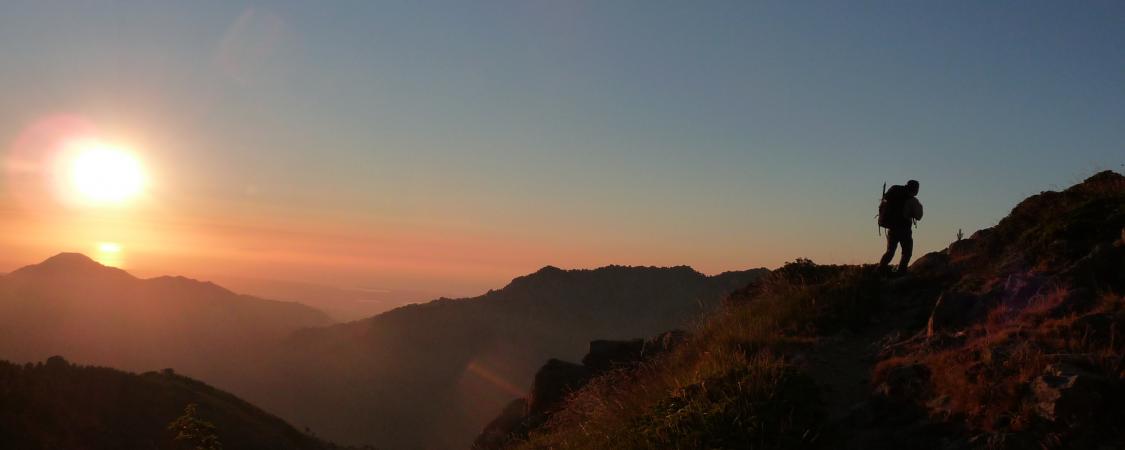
[664,342]
[557,379]
[606,354]
[1068,394]
[553,381]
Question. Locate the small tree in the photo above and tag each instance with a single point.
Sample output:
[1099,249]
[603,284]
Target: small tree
[198,433]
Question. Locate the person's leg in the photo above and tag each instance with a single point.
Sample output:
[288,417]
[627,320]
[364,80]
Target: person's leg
[892,243]
[907,241]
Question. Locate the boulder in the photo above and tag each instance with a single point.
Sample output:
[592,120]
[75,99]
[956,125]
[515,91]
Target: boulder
[1068,393]
[605,354]
[931,263]
[663,342]
[608,354]
[557,378]
[553,382]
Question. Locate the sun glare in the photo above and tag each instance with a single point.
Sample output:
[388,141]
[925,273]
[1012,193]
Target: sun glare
[106,174]
[109,253]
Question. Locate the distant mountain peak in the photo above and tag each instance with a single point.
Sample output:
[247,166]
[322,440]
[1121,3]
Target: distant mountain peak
[70,259]
[549,269]
[552,276]
[69,263]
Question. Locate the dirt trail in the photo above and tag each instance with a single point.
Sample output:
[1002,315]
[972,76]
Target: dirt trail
[842,366]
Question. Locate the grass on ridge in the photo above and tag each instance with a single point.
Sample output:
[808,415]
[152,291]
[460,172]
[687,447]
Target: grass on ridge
[731,385]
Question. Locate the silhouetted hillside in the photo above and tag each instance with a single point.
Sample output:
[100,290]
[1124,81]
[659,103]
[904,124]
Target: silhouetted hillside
[57,405]
[71,305]
[431,375]
[341,304]
[1011,339]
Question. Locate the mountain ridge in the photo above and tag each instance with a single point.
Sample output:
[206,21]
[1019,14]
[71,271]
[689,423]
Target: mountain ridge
[456,360]
[1006,340]
[59,305]
[74,264]
[70,304]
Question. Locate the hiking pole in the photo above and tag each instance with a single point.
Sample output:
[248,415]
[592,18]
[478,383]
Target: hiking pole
[878,229]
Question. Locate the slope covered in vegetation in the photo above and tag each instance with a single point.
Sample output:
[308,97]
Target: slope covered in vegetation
[58,405]
[1009,339]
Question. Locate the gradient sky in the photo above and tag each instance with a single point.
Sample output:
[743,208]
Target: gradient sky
[450,146]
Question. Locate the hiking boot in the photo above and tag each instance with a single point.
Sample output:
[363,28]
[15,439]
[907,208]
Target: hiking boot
[884,271]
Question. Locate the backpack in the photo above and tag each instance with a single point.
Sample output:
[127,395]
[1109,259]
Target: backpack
[892,208]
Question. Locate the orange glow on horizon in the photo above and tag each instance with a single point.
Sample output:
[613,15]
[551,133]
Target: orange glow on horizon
[71,185]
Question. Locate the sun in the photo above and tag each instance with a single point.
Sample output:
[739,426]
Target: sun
[103,173]
[109,253]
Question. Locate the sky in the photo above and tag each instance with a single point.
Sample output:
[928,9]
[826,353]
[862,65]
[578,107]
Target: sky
[452,146]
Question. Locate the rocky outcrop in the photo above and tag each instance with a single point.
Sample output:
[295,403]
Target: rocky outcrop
[604,354]
[553,381]
[1068,393]
[557,379]
[1022,345]
[607,354]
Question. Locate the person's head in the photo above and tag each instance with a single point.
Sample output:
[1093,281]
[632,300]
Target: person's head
[912,187]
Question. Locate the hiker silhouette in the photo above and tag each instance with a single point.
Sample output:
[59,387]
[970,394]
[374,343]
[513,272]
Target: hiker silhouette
[898,211]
